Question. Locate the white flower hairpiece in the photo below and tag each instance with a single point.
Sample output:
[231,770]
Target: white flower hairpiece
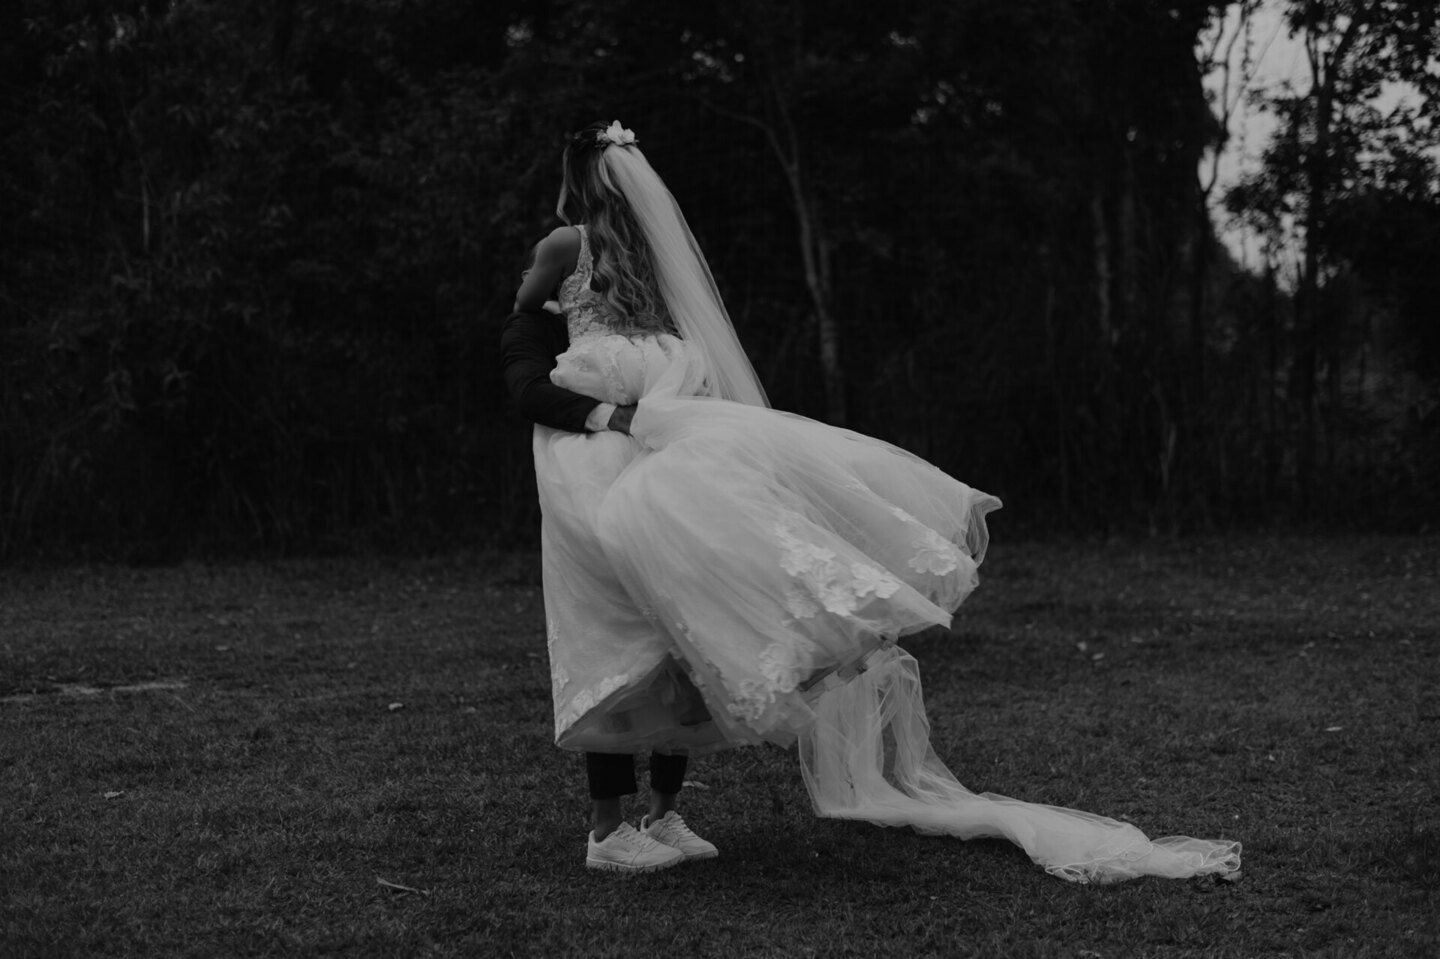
[616,135]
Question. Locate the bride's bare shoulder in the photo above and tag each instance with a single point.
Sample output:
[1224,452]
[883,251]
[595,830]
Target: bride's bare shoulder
[563,242]
[555,259]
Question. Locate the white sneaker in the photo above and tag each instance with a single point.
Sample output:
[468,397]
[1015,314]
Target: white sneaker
[671,830]
[629,850]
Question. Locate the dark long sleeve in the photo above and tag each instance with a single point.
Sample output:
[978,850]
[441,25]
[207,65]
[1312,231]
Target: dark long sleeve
[529,344]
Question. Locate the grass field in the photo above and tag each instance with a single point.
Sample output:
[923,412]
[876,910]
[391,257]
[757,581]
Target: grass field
[253,759]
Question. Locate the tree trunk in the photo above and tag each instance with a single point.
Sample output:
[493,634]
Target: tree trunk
[1129,271]
[1198,281]
[1324,72]
[815,259]
[1272,380]
[814,245]
[1104,315]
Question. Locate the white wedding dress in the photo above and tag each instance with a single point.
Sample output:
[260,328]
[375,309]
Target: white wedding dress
[731,574]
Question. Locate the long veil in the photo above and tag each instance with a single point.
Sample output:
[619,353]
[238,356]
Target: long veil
[684,277]
[867,755]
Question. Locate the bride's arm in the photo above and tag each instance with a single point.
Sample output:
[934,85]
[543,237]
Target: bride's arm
[554,260]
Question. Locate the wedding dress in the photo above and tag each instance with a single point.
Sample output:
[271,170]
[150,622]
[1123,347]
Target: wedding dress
[731,574]
[705,575]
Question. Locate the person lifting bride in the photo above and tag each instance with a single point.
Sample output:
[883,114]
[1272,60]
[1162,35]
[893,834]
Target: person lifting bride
[718,573]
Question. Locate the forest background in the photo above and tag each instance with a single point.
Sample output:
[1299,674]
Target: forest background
[255,257]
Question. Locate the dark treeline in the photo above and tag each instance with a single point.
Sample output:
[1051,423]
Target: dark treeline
[256,255]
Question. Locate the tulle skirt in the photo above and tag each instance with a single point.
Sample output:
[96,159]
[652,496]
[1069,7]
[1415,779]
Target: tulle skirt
[777,551]
[705,575]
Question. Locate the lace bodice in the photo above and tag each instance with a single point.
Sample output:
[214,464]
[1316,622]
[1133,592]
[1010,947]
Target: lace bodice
[586,312]
[610,359]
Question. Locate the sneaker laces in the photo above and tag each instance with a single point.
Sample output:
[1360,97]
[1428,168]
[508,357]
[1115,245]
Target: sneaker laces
[673,823]
[636,837]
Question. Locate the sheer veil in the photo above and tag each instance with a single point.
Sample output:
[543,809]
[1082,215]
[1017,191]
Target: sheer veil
[685,281]
[868,757]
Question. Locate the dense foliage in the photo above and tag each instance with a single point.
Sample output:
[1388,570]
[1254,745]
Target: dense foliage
[256,257]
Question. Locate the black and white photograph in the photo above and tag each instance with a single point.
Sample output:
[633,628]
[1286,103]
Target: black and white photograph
[745,478]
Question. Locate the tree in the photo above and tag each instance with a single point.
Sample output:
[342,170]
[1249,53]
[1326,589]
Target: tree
[809,77]
[1334,144]
[256,256]
[1231,27]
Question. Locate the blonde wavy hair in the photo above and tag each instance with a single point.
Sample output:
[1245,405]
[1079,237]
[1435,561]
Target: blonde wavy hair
[624,267]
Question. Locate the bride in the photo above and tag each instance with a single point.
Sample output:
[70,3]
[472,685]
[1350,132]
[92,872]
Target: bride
[718,573]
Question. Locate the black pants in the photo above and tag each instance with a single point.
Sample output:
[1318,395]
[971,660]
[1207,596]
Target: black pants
[613,774]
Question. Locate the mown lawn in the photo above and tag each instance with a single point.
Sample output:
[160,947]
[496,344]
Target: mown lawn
[233,760]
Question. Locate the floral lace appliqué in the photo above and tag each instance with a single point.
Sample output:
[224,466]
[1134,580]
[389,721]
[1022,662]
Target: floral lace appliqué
[750,701]
[559,678]
[799,604]
[934,554]
[584,309]
[586,700]
[784,665]
[824,578]
[871,581]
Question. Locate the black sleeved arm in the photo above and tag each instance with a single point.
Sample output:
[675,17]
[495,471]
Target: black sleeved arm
[529,344]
